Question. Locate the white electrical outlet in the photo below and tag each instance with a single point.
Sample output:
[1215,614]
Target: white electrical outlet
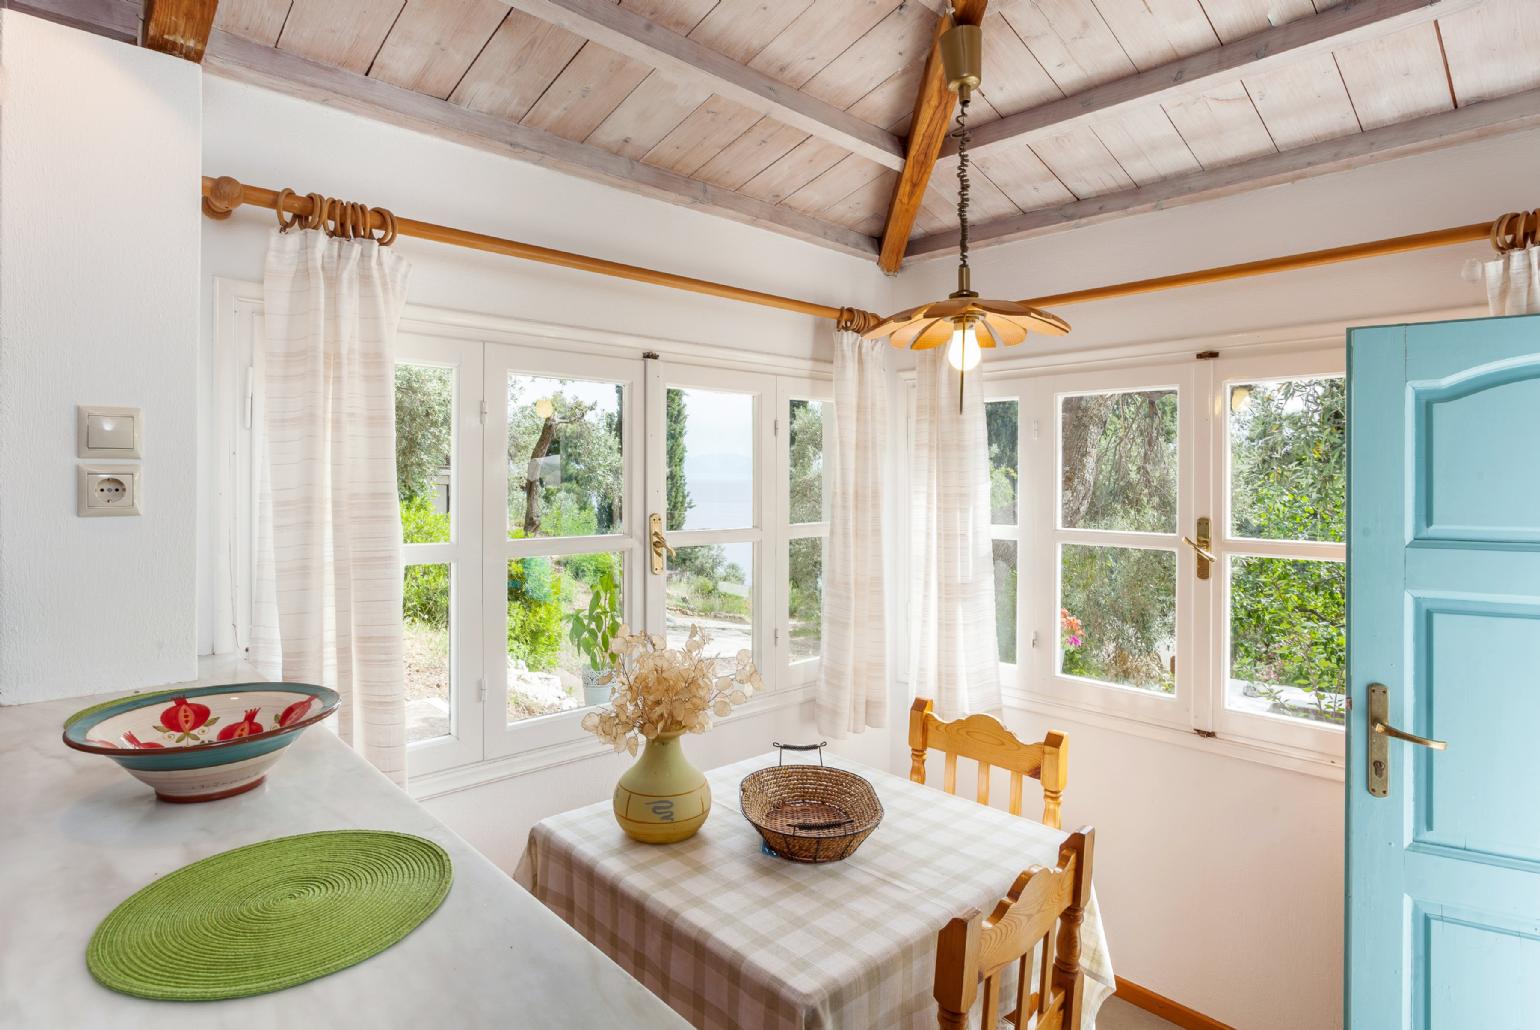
[110,490]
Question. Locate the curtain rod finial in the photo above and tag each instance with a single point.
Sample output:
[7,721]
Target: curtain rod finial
[857,321]
[221,196]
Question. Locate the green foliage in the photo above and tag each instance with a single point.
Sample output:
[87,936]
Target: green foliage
[805,582]
[420,524]
[425,595]
[1005,598]
[537,595]
[1288,626]
[1120,461]
[677,503]
[591,629]
[424,427]
[1001,422]
[1126,600]
[805,445]
[581,468]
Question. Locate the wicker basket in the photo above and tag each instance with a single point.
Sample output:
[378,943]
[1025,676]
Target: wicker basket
[810,813]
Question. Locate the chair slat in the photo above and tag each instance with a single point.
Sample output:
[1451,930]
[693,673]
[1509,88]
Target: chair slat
[983,791]
[990,1010]
[1015,793]
[950,781]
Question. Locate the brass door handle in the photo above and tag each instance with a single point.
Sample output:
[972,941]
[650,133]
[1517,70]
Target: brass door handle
[1199,549]
[659,543]
[1411,738]
[1380,734]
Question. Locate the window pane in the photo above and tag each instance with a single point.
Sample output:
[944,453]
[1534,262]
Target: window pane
[709,447]
[1288,637]
[425,628]
[548,670]
[1005,599]
[805,600]
[1117,615]
[424,438]
[1117,461]
[712,586]
[565,467]
[1288,459]
[1001,421]
[805,446]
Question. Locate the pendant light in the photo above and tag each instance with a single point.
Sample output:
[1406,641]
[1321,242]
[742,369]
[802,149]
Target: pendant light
[963,322]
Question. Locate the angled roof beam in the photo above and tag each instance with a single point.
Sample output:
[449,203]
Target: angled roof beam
[1483,120]
[1352,21]
[179,27]
[610,25]
[246,61]
[927,131]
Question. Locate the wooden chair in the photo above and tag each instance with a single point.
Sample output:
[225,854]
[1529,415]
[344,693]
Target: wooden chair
[971,948]
[983,739]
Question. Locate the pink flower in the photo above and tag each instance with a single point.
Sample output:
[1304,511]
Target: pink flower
[1074,641]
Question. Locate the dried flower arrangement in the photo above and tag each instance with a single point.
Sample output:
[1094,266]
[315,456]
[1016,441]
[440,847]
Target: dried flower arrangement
[660,690]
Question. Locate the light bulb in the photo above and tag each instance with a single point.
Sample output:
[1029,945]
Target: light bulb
[963,352]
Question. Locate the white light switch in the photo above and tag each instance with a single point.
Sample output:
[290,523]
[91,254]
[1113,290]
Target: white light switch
[109,432]
[110,489]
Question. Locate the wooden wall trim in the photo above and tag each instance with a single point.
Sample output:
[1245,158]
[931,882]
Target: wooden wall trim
[1172,1012]
[1271,48]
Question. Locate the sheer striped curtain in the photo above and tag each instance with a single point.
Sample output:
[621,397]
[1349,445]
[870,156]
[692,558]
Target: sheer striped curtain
[852,691]
[954,655]
[328,582]
[1512,281]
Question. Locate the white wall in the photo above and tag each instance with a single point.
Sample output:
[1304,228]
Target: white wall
[99,147]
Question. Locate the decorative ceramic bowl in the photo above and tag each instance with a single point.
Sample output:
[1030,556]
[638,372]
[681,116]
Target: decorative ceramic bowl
[203,743]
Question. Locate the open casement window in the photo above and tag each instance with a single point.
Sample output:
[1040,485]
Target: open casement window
[1110,565]
[1278,591]
[438,478]
[709,452]
[1002,416]
[805,450]
[564,533]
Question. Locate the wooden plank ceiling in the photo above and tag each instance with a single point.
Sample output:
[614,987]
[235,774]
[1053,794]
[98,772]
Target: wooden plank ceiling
[865,58]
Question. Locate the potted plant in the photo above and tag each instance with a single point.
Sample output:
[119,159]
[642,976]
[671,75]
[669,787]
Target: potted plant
[591,630]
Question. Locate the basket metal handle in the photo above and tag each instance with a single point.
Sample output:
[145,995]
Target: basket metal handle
[783,748]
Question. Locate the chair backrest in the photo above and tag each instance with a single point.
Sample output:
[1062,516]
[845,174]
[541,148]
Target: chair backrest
[971,949]
[983,739]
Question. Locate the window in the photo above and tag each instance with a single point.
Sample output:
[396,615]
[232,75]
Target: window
[1116,470]
[1285,578]
[1003,430]
[806,434]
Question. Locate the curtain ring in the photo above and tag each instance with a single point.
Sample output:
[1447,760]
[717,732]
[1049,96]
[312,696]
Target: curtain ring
[389,235]
[358,220]
[1500,232]
[317,209]
[285,224]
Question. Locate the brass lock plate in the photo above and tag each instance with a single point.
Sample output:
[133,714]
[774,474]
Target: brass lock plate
[1379,744]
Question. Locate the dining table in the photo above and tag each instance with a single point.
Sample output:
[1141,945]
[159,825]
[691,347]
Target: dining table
[731,936]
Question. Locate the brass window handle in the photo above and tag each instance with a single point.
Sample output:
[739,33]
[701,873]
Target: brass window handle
[659,543]
[1202,552]
[1378,726]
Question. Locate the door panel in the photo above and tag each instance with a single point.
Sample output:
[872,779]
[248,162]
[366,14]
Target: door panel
[1443,892]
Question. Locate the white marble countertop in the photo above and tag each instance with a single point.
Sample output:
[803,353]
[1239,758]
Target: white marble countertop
[78,835]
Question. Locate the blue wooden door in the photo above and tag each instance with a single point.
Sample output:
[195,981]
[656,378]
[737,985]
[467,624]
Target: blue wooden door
[1443,868]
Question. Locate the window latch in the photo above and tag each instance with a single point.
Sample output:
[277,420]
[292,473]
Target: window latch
[1201,546]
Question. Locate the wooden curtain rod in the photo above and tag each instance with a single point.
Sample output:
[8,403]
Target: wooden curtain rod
[224,194]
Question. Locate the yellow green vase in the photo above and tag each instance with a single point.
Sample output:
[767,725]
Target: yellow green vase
[662,798]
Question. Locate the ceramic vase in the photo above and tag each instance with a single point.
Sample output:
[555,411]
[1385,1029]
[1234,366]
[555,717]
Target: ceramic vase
[662,798]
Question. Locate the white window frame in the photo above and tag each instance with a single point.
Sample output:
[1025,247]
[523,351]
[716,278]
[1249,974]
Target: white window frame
[462,553]
[1198,706]
[1218,376]
[821,391]
[481,746]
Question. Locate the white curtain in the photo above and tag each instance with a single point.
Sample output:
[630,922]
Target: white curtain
[852,690]
[1512,281]
[328,582]
[954,657]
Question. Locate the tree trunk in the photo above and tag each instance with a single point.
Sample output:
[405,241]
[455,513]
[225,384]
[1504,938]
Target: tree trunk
[532,477]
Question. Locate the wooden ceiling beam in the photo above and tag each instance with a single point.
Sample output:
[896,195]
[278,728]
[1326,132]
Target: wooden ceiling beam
[241,59]
[1483,120]
[115,19]
[933,105]
[610,25]
[179,27]
[1352,21]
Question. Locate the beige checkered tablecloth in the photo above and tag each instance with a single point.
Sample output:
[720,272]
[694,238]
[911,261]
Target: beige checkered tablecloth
[735,939]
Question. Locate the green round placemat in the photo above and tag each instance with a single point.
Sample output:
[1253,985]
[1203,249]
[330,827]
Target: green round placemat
[269,915]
